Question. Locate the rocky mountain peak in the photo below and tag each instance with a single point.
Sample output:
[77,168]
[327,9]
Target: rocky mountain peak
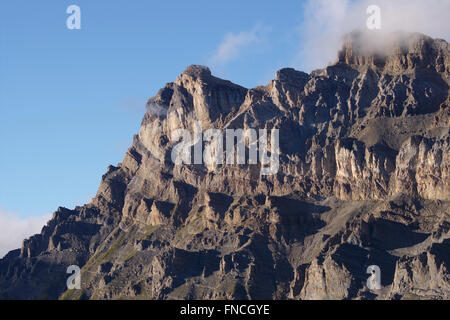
[395,52]
[290,75]
[363,179]
[197,71]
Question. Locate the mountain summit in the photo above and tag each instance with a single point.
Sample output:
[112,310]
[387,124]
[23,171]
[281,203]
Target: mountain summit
[362,180]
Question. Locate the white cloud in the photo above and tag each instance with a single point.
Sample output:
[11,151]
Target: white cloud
[233,45]
[325,22]
[14,229]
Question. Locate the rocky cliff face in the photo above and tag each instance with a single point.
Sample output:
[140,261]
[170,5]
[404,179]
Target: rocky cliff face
[363,179]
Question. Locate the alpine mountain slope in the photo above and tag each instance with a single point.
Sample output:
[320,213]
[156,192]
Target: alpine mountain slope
[363,179]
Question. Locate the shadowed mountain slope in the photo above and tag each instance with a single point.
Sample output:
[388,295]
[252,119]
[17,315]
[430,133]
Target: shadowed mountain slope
[363,179]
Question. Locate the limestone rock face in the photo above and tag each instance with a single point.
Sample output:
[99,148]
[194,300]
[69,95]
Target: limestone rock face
[362,180]
[361,172]
[424,274]
[422,168]
[326,281]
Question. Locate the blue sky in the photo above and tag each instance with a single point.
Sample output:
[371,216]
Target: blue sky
[71,100]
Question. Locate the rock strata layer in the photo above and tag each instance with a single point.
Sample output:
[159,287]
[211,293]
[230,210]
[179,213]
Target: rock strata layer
[363,179]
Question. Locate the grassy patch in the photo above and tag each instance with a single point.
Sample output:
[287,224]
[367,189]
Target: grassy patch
[130,256]
[148,231]
[71,294]
[100,257]
[93,261]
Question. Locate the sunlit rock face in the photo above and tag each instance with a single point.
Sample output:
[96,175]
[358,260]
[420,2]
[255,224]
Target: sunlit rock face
[362,179]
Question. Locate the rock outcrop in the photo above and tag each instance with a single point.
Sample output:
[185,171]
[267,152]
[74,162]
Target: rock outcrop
[362,179]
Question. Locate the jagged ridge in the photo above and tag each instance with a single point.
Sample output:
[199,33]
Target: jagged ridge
[363,179]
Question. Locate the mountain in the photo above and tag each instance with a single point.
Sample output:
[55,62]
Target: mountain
[362,179]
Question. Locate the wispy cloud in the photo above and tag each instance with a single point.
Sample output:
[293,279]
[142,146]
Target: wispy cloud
[136,105]
[233,45]
[14,229]
[325,22]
